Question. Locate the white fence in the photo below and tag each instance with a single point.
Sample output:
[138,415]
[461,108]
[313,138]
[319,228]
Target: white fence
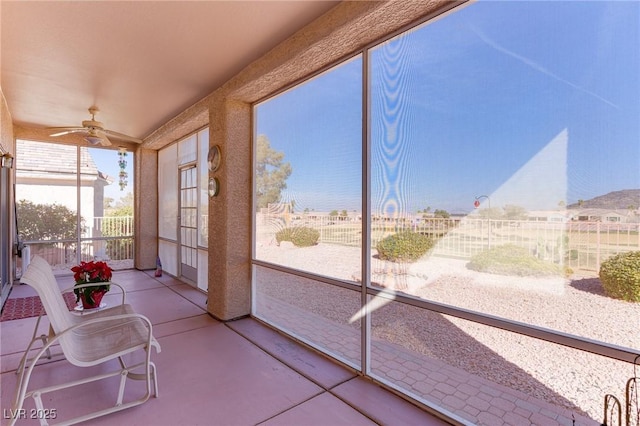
[110,239]
[112,226]
[578,245]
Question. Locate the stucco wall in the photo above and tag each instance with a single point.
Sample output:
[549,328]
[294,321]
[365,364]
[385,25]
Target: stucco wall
[64,193]
[146,208]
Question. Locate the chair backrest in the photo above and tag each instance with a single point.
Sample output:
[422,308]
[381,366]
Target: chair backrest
[39,275]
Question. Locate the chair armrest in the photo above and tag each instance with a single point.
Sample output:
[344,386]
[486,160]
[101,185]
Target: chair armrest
[123,291]
[106,318]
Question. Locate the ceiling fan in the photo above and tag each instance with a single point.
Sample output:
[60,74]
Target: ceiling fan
[96,133]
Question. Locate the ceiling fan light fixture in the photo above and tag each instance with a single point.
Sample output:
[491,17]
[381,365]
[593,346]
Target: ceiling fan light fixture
[93,140]
[6,160]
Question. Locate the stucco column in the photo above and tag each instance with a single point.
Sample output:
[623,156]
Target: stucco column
[146,208]
[230,211]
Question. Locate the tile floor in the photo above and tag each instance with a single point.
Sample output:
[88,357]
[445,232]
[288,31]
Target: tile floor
[212,373]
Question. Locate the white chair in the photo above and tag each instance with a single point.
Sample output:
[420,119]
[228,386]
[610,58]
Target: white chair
[86,340]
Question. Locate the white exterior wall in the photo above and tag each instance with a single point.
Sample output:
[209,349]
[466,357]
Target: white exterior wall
[63,193]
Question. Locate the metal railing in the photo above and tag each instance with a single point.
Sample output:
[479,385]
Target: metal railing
[576,244]
[112,226]
[110,239]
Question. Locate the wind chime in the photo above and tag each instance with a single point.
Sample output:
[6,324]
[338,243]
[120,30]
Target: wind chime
[122,162]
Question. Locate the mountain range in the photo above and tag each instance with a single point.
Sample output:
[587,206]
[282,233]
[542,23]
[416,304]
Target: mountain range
[624,199]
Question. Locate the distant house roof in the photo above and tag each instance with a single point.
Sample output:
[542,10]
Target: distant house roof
[604,212]
[38,159]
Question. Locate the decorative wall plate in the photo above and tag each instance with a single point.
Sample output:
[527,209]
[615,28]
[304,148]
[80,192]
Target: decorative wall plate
[214,158]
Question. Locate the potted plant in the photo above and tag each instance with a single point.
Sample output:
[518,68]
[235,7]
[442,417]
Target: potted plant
[91,272]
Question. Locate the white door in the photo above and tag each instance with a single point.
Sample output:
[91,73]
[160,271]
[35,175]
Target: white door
[189,223]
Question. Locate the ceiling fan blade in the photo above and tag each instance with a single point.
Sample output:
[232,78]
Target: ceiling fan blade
[96,133]
[122,136]
[66,130]
[105,140]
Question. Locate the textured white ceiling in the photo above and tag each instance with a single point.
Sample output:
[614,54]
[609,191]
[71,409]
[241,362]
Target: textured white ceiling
[140,62]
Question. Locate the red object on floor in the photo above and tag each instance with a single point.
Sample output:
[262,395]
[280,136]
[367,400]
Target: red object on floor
[27,307]
[158,267]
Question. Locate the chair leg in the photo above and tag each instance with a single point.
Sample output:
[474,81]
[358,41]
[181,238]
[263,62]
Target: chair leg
[23,382]
[37,396]
[150,377]
[24,359]
[154,377]
[123,382]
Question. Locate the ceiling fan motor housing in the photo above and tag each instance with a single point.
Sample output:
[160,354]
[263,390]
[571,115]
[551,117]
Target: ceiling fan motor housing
[92,124]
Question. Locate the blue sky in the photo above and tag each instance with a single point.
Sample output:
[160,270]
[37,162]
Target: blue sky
[107,162]
[531,103]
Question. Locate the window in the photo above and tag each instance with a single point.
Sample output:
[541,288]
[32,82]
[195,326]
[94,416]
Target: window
[500,140]
[309,175]
[518,118]
[308,200]
[72,205]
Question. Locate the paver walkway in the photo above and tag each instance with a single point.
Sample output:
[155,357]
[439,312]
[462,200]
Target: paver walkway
[471,397]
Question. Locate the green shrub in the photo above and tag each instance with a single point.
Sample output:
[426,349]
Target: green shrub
[405,246]
[620,276]
[300,236]
[573,254]
[512,260]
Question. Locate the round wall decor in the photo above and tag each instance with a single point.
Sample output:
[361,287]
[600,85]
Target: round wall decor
[214,158]
[214,187]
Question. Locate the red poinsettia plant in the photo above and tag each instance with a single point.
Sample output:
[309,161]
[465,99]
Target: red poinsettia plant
[91,272]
